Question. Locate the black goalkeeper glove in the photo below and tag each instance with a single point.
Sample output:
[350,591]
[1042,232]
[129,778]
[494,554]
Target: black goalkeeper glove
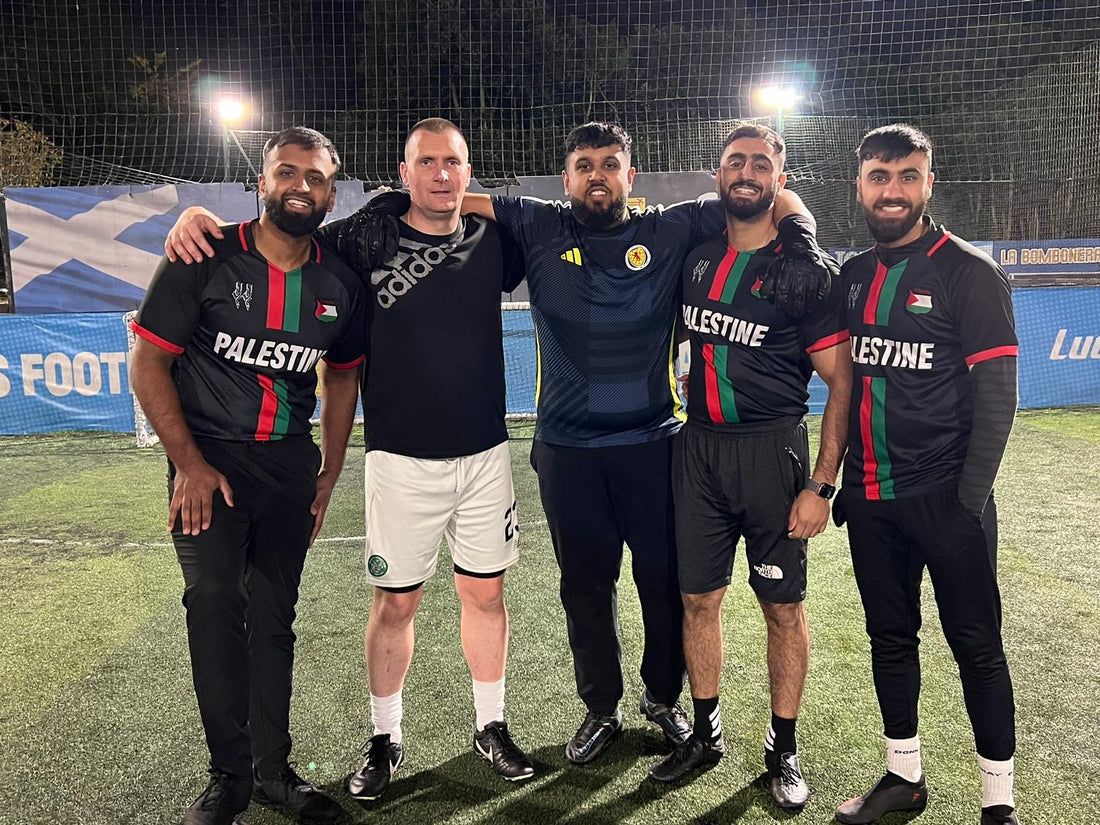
[800,279]
[840,509]
[369,238]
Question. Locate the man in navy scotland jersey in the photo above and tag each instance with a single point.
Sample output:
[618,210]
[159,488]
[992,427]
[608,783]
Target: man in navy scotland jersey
[604,285]
[437,462]
[224,367]
[740,466]
[934,395]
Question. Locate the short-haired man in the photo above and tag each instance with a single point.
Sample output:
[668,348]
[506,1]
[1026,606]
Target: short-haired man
[740,464]
[441,468]
[224,367]
[437,460]
[934,395]
[605,290]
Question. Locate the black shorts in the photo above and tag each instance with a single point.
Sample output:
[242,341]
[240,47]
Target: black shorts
[740,482]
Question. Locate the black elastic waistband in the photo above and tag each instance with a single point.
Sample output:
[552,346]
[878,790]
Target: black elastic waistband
[787,422]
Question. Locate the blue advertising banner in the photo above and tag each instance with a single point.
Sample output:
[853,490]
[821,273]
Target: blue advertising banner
[1024,258]
[1059,331]
[69,371]
[64,372]
[1077,257]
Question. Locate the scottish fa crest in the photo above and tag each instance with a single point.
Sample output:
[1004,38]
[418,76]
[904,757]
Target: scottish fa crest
[637,257]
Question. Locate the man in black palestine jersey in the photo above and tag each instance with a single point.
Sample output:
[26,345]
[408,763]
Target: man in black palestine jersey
[934,394]
[742,461]
[224,367]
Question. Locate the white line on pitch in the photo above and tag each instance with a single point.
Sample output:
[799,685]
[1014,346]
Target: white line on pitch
[134,545]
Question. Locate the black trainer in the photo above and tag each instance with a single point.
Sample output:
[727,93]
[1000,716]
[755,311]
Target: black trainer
[382,759]
[999,815]
[671,719]
[789,789]
[495,743]
[225,796]
[294,794]
[593,736]
[891,793]
[696,753]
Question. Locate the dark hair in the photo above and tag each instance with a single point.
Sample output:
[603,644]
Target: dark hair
[435,125]
[596,135]
[304,137]
[889,143]
[754,130]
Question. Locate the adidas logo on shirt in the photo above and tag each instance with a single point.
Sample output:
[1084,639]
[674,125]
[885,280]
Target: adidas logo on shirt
[573,256]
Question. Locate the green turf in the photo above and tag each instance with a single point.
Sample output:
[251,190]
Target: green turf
[98,722]
[1079,422]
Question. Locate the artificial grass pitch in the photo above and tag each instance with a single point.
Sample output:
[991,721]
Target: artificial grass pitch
[98,722]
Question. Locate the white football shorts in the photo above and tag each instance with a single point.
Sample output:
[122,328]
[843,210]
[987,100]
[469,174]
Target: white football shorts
[412,503]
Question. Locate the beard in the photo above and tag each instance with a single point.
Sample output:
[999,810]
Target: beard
[295,224]
[888,230]
[600,217]
[743,209]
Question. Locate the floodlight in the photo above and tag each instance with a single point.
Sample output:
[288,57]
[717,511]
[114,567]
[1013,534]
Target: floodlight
[779,98]
[231,111]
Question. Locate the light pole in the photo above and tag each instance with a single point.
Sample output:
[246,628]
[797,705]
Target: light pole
[230,112]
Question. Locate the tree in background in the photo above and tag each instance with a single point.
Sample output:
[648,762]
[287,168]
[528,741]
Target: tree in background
[27,157]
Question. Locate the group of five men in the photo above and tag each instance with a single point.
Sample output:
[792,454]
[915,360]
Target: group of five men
[915,342]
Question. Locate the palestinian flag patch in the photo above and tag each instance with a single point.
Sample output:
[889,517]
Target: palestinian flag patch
[919,302]
[326,311]
[756,287]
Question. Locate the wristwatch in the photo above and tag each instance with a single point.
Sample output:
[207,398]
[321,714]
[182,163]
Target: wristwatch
[826,491]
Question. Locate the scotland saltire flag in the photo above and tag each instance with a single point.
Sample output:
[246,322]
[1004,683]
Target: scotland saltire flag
[95,248]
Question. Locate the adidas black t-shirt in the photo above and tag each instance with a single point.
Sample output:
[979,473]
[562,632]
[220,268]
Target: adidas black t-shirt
[920,316]
[750,362]
[249,336]
[604,303]
[434,380]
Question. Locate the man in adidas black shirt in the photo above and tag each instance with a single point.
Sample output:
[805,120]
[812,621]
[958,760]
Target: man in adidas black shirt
[224,367]
[934,394]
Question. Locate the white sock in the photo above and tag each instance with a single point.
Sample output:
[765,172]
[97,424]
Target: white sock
[385,714]
[903,758]
[488,702]
[996,782]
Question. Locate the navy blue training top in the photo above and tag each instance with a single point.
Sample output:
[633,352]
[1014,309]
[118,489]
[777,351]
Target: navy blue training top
[604,304]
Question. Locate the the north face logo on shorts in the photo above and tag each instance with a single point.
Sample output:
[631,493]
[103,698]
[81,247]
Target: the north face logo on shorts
[377,566]
[768,571]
